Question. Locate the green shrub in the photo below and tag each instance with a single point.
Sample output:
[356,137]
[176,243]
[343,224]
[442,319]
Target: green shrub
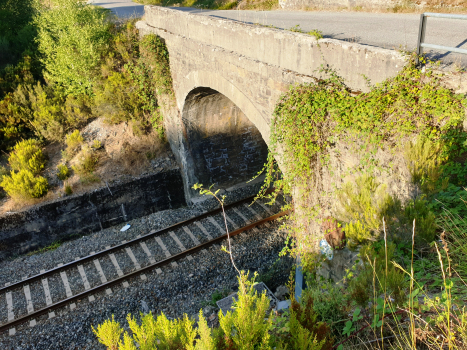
[24,185]
[424,158]
[27,155]
[135,73]
[364,203]
[87,162]
[63,172]
[50,113]
[243,328]
[109,333]
[54,113]
[425,225]
[306,332]
[73,141]
[16,29]
[318,34]
[96,144]
[377,272]
[72,38]
[330,302]
[68,190]
[246,327]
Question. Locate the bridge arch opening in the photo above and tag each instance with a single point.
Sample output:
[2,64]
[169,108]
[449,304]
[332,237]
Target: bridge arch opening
[223,147]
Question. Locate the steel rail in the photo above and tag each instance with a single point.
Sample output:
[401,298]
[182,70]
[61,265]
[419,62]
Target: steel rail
[118,280]
[121,246]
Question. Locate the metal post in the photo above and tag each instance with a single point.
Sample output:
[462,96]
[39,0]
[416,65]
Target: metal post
[421,36]
[300,284]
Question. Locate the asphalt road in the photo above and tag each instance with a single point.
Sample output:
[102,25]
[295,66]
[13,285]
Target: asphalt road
[391,31]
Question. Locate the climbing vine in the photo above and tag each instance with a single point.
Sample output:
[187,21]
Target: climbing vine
[310,118]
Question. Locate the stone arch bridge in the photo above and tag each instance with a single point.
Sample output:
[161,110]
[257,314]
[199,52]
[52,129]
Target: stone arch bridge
[227,78]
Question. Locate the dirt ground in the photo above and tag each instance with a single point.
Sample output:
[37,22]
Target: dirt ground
[121,157]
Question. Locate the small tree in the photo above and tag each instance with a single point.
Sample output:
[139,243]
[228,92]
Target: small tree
[72,37]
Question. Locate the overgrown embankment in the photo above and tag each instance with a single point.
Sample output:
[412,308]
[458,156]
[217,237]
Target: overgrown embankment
[382,172]
[385,151]
[76,64]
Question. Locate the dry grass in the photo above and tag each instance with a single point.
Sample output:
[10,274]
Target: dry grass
[122,156]
[452,6]
[263,5]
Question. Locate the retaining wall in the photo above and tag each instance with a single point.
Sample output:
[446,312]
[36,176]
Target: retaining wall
[89,212]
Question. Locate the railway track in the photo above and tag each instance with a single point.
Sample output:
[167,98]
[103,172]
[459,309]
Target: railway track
[112,267]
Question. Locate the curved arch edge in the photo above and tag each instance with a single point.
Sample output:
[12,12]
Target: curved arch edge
[196,79]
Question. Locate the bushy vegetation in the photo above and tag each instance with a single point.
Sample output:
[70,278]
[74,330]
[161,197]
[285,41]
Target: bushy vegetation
[26,162]
[251,325]
[86,165]
[63,172]
[23,185]
[66,62]
[135,73]
[72,53]
[27,155]
[16,30]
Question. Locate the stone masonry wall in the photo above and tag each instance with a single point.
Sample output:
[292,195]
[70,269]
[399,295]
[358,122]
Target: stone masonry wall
[222,144]
[85,213]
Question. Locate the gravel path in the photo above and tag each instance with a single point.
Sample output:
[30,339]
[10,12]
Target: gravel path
[174,290]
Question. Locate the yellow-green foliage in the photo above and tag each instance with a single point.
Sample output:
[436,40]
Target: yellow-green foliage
[246,326]
[109,333]
[68,190]
[87,161]
[72,36]
[205,341]
[73,141]
[377,274]
[63,172]
[43,108]
[306,333]
[24,185]
[26,161]
[363,205]
[424,158]
[156,333]
[96,144]
[136,73]
[27,155]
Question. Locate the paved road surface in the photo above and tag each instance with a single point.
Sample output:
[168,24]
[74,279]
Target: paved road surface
[391,31]
[122,8]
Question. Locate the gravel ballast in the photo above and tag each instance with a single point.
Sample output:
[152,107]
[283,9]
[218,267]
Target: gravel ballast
[177,290]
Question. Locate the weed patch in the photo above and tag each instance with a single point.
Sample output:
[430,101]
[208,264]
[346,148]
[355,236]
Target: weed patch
[50,247]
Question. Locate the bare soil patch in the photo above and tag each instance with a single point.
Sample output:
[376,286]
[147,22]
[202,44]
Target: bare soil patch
[122,156]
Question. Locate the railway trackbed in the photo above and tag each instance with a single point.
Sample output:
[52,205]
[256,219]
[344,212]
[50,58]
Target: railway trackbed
[101,271]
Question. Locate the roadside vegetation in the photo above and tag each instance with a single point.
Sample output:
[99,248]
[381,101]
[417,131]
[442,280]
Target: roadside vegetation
[218,4]
[406,6]
[64,63]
